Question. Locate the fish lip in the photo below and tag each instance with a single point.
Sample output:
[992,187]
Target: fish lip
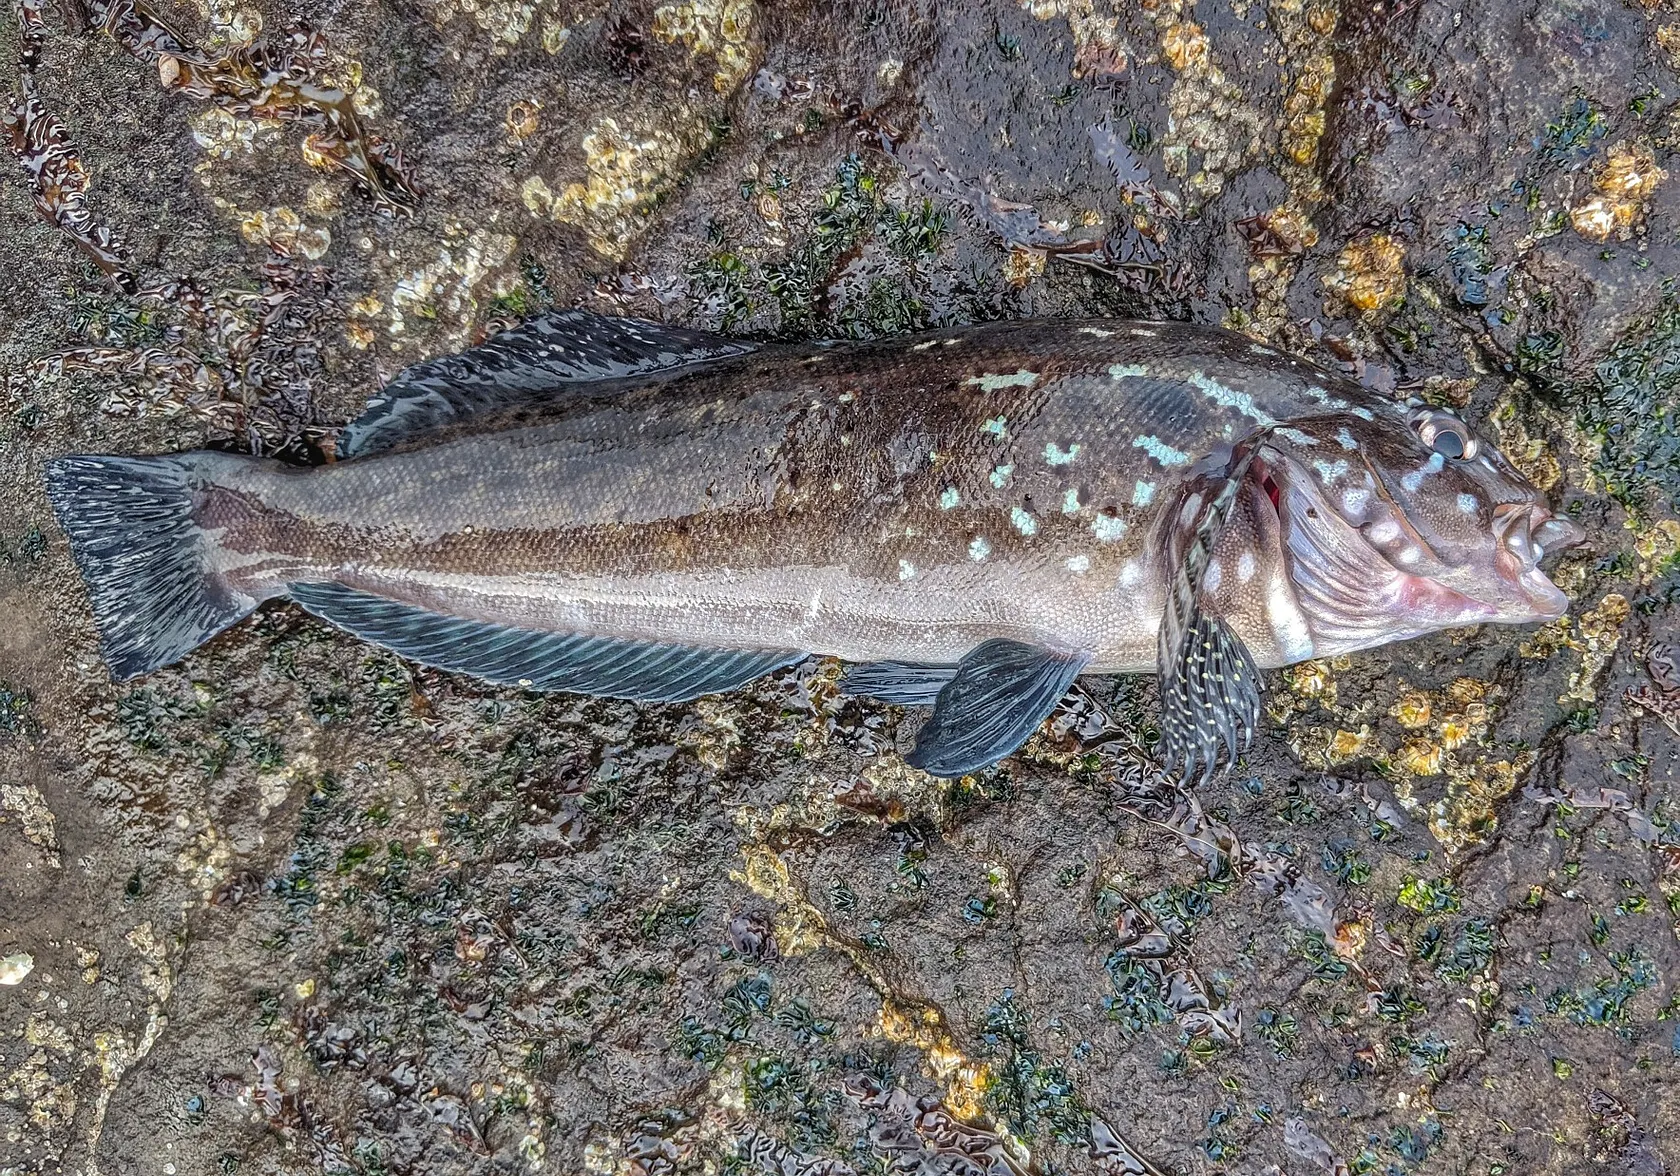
[1556,533]
[1524,533]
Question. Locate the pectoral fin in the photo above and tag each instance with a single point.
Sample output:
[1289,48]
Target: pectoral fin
[999,695]
[1210,687]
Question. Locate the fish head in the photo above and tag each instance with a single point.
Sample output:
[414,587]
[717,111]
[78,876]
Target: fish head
[1403,521]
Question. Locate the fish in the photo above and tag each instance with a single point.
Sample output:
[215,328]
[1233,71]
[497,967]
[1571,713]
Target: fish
[971,517]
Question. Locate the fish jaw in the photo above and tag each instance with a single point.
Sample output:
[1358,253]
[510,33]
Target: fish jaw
[1371,579]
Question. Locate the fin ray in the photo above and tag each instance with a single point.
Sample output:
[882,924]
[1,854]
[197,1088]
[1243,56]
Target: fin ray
[1001,691]
[900,683]
[531,362]
[642,671]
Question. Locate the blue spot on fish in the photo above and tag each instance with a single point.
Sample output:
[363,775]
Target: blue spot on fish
[949,498]
[997,426]
[1056,455]
[1467,503]
[1024,522]
[993,381]
[1107,528]
[1143,493]
[1415,479]
[1000,476]
[1228,397]
[1121,370]
[1160,450]
[1345,438]
[1330,471]
[1070,501]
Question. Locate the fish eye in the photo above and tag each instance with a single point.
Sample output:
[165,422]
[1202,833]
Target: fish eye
[1445,434]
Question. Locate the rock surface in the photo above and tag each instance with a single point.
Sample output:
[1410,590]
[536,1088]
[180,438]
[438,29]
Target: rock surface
[295,906]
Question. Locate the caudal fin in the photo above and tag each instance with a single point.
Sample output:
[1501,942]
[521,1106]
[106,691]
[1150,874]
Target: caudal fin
[144,557]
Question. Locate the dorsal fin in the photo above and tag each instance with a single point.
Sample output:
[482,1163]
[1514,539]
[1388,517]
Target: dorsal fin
[525,364]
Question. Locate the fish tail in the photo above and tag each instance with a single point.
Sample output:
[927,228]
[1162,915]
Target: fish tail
[148,564]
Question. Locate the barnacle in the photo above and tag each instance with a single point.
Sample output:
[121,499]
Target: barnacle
[286,81]
[1623,184]
[1412,711]
[1021,266]
[1370,274]
[1420,757]
[1347,745]
[522,120]
[1312,679]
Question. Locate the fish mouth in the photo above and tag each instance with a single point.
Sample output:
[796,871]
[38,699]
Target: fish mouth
[1526,533]
[1376,576]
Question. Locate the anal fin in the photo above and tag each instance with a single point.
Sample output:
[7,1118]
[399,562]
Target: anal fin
[1001,691]
[642,671]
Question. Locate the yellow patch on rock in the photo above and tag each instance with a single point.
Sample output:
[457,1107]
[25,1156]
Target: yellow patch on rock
[721,29]
[1623,186]
[1370,275]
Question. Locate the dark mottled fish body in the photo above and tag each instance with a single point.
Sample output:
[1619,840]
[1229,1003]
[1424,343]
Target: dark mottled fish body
[623,491]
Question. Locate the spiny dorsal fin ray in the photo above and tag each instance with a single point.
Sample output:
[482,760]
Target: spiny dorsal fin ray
[537,359]
[1001,691]
[1210,687]
[642,671]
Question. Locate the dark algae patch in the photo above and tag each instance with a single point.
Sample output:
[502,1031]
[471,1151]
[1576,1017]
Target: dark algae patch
[294,905]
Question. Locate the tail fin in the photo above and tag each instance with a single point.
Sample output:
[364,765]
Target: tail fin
[132,532]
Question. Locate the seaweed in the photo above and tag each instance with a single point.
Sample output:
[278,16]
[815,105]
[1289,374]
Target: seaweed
[1629,406]
[58,184]
[271,79]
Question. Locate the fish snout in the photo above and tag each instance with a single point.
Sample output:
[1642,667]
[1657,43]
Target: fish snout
[1530,532]
[1557,533]
[1526,534]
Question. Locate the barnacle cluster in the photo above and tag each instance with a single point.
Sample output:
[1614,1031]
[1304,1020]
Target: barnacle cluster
[284,230]
[627,167]
[470,266]
[1600,633]
[1208,113]
[1370,274]
[720,29]
[1622,186]
[506,21]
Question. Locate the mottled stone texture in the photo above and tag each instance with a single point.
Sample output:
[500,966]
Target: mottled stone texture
[295,906]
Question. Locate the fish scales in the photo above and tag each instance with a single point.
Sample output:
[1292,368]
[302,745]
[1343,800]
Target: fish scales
[981,512]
